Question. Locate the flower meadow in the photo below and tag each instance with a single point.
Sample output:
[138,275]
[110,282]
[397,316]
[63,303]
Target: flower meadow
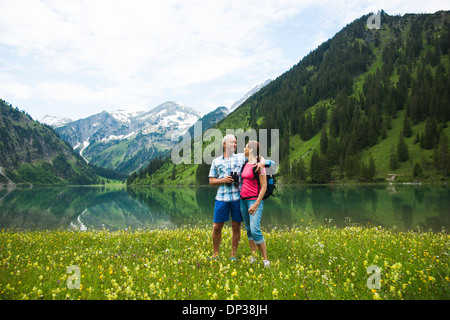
[306,263]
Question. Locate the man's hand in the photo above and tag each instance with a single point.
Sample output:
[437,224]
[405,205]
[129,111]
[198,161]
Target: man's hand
[260,165]
[216,181]
[227,179]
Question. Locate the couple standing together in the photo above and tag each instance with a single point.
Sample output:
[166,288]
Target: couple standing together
[242,197]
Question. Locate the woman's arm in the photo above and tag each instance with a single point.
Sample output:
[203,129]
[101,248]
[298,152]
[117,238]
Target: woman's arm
[262,192]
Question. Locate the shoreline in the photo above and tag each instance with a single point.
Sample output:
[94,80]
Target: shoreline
[12,186]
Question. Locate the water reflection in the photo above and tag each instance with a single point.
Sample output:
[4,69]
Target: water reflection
[115,208]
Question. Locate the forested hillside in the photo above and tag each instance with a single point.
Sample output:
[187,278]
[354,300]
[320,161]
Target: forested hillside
[366,105]
[33,153]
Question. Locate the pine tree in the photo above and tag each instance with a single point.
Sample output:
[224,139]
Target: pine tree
[383,131]
[319,170]
[174,171]
[402,149]
[367,171]
[314,166]
[416,138]
[372,137]
[364,173]
[253,116]
[417,171]
[334,123]
[201,174]
[285,168]
[442,155]
[362,133]
[323,141]
[309,128]
[131,178]
[430,134]
[352,166]
[372,170]
[294,123]
[407,127]
[300,171]
[333,151]
[301,125]
[393,160]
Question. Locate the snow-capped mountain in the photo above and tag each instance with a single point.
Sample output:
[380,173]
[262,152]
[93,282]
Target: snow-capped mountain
[248,95]
[171,117]
[55,122]
[125,141]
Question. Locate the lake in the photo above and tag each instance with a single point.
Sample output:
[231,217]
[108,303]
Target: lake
[403,207]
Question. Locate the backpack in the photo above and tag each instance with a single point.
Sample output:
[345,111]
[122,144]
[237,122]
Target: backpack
[270,181]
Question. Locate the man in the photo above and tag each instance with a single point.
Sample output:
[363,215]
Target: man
[227,198]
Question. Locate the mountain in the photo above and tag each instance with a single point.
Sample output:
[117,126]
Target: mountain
[215,116]
[365,105]
[55,122]
[125,141]
[33,153]
[210,119]
[249,94]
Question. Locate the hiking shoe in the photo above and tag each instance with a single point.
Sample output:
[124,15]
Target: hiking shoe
[266,263]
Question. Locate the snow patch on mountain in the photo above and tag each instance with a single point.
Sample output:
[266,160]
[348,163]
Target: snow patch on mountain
[248,95]
[119,137]
[83,146]
[124,115]
[55,122]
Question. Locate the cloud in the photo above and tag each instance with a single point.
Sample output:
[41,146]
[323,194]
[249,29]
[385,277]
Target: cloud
[107,53]
[166,44]
[12,87]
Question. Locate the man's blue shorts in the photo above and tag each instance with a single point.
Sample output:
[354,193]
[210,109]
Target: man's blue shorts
[222,211]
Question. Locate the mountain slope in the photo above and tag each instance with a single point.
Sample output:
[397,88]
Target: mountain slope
[32,153]
[210,119]
[345,106]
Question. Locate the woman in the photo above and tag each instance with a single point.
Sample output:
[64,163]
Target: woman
[251,202]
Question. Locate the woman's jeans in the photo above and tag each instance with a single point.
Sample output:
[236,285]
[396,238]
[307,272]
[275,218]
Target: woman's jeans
[252,222]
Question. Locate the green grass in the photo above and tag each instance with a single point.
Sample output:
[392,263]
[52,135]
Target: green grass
[306,263]
[303,149]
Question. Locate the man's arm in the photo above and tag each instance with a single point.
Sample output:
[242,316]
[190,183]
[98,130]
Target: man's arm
[216,181]
[261,164]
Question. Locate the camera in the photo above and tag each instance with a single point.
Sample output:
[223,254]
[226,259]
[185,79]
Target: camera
[235,177]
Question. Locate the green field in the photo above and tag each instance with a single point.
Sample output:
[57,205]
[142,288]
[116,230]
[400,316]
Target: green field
[306,263]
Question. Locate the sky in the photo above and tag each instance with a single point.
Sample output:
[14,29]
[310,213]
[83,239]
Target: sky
[78,58]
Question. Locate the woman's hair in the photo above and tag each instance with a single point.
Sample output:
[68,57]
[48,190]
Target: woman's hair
[254,145]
